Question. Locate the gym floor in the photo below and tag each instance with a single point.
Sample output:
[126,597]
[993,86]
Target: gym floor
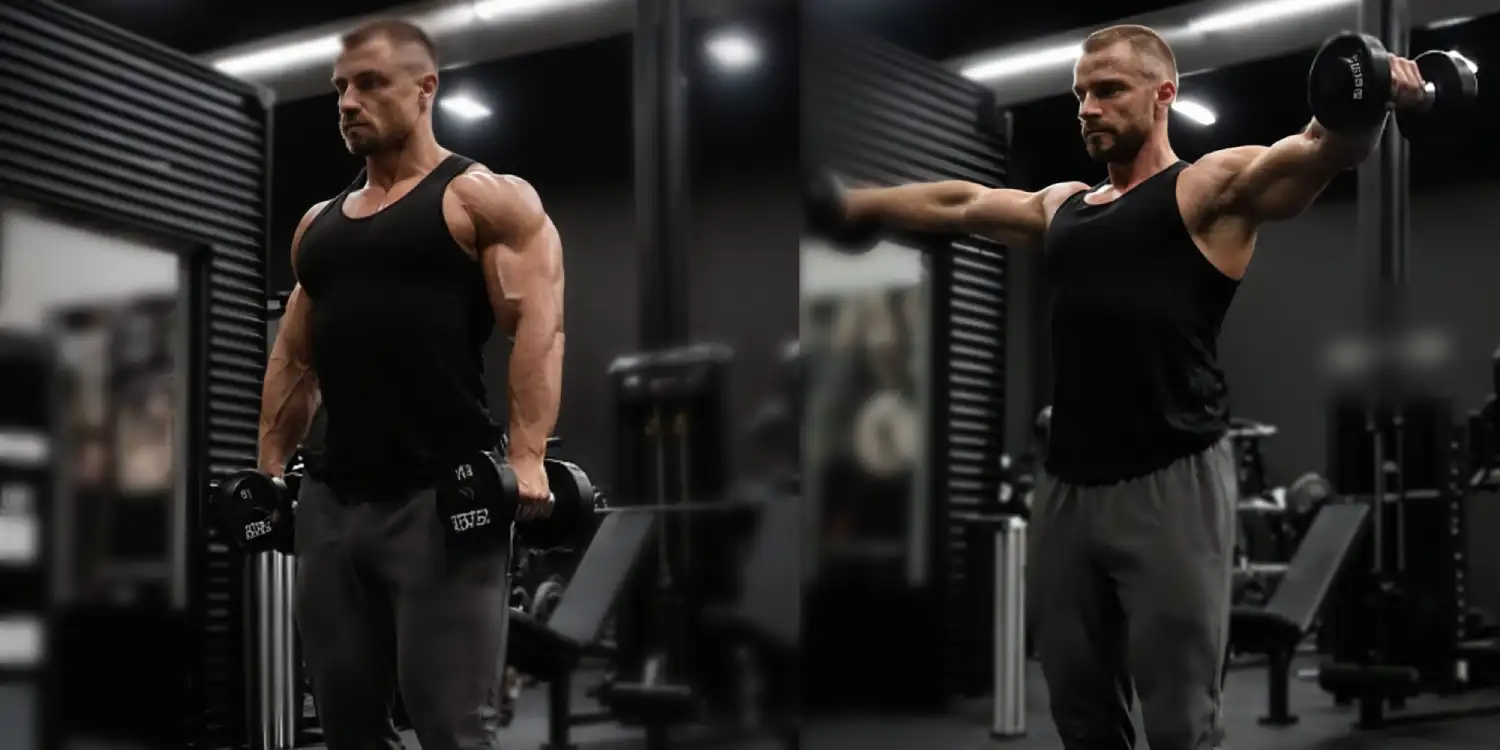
[1323,726]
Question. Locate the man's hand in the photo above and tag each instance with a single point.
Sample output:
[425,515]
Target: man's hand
[1407,86]
[536,491]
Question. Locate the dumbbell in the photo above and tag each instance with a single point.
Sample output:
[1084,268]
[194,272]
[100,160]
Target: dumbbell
[827,218]
[1349,86]
[255,511]
[479,497]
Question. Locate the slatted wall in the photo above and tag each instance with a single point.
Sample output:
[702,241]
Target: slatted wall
[97,121]
[878,114]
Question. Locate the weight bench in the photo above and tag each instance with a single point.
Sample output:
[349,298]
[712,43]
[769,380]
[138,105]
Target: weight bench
[550,651]
[1276,629]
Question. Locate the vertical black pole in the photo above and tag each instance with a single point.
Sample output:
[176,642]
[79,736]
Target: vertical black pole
[663,213]
[676,206]
[1382,220]
[648,163]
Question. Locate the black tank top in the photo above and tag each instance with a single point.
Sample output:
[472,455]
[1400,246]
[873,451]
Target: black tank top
[1135,316]
[399,320]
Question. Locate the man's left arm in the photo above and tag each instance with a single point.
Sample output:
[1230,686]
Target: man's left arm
[1280,181]
[521,252]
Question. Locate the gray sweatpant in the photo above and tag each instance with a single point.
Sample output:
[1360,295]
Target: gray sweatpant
[380,605]
[1131,584]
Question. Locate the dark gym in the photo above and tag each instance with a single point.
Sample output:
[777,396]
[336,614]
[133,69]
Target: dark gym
[798,481]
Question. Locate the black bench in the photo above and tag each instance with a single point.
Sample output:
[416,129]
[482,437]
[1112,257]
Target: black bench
[550,651]
[1276,629]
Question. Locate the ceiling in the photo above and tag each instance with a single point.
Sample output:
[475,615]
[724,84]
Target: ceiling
[570,109]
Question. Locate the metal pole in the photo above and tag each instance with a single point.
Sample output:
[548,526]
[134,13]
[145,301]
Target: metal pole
[663,209]
[1383,228]
[275,696]
[1009,718]
[648,173]
[676,203]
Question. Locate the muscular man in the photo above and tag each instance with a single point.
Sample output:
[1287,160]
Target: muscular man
[1133,537]
[401,279]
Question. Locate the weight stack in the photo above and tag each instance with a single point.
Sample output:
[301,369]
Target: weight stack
[671,447]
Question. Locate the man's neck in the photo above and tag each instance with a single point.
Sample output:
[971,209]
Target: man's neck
[418,156]
[1155,156]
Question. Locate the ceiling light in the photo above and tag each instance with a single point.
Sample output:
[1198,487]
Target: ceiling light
[1258,13]
[1195,111]
[464,107]
[1446,22]
[1009,65]
[284,56]
[733,50]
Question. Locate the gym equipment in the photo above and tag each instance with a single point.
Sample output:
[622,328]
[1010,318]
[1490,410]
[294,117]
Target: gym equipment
[1245,436]
[1276,629]
[254,512]
[823,197]
[478,498]
[1452,86]
[549,649]
[1008,718]
[1349,86]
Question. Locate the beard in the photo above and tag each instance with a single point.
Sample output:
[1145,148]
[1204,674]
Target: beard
[1109,146]
[365,140]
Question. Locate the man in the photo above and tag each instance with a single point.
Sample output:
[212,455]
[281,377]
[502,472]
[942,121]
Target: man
[1133,537]
[400,280]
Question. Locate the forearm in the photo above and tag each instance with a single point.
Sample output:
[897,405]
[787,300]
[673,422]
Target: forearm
[289,399]
[919,207]
[1343,149]
[535,385]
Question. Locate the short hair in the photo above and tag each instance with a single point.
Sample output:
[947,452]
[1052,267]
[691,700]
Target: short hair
[395,30]
[1144,41]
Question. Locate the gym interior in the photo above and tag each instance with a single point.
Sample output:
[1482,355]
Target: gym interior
[861,458]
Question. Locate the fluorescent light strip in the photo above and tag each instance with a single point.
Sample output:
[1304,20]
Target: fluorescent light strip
[1250,14]
[1258,13]
[1195,111]
[458,17]
[1024,62]
[1446,22]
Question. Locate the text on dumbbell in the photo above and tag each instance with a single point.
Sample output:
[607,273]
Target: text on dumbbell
[257,529]
[470,519]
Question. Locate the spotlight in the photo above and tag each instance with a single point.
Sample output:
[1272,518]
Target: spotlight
[464,107]
[1195,111]
[733,50]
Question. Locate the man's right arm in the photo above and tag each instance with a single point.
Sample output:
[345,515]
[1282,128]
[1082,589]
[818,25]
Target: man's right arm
[1011,217]
[289,396]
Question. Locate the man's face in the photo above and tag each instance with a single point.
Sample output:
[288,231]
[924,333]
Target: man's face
[1119,102]
[382,95]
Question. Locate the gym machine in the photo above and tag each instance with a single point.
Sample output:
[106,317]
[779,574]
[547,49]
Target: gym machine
[1396,628]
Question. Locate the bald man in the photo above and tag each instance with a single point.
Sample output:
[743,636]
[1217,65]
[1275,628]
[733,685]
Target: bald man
[1133,531]
[401,279]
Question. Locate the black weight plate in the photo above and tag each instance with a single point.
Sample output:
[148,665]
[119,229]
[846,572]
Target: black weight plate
[247,506]
[1349,84]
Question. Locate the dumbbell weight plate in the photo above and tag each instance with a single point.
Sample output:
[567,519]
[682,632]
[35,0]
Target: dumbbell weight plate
[252,511]
[1454,85]
[1349,84]
[572,508]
